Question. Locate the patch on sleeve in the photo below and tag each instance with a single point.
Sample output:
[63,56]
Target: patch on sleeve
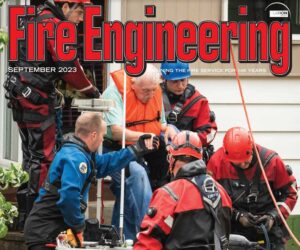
[83,168]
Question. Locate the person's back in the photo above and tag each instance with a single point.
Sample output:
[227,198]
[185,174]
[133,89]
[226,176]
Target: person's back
[192,211]
[183,216]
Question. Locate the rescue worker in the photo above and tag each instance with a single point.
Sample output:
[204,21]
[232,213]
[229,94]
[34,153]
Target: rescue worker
[235,167]
[191,212]
[185,107]
[144,114]
[32,98]
[63,198]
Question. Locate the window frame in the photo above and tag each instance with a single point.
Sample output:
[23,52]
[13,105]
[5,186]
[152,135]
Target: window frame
[5,114]
[224,16]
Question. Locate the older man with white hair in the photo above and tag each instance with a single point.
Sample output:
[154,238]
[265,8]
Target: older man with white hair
[144,115]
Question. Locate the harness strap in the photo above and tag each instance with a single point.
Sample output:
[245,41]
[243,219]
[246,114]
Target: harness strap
[26,115]
[253,187]
[188,107]
[53,188]
[44,17]
[189,91]
[212,202]
[178,109]
[130,124]
[166,101]
[92,174]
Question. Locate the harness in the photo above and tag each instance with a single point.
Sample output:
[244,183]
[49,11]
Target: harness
[15,87]
[212,202]
[174,115]
[253,188]
[56,185]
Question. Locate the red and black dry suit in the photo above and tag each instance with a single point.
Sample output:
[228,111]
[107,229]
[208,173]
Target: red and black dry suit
[178,216]
[32,98]
[251,194]
[190,111]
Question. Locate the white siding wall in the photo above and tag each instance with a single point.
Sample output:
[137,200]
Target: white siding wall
[273,106]
[273,103]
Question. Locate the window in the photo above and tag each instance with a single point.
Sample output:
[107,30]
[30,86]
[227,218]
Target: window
[9,136]
[260,10]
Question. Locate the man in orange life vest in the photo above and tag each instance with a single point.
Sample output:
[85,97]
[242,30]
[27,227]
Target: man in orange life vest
[235,167]
[144,114]
[32,98]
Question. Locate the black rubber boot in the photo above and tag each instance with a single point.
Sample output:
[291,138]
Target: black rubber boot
[30,198]
[22,208]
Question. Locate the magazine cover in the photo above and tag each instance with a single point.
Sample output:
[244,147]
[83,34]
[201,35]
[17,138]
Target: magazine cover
[149,124]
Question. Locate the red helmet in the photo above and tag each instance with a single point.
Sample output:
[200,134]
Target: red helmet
[74,1]
[186,143]
[237,145]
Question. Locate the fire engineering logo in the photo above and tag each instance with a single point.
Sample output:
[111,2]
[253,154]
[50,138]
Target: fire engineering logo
[137,42]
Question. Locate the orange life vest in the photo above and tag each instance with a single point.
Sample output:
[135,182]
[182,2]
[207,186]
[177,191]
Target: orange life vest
[139,116]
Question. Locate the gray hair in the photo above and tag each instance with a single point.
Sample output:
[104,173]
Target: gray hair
[151,74]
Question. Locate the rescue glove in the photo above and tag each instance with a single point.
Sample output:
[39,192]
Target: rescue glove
[140,148]
[247,219]
[75,239]
[267,220]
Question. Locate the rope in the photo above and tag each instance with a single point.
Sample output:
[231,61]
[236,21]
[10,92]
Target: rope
[256,151]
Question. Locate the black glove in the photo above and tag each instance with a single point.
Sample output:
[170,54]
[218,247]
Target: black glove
[275,215]
[140,148]
[267,220]
[94,94]
[246,219]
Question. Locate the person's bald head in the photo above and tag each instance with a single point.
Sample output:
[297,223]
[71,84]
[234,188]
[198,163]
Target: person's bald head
[90,127]
[145,85]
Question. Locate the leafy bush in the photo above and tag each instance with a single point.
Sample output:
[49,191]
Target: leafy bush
[7,214]
[9,177]
[13,176]
[3,38]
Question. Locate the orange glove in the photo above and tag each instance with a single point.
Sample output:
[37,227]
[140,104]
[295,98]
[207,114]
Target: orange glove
[75,240]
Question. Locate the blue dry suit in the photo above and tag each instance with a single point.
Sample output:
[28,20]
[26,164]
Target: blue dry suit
[58,206]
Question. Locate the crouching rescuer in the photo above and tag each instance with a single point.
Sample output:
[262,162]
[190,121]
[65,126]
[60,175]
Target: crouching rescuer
[235,166]
[62,199]
[192,211]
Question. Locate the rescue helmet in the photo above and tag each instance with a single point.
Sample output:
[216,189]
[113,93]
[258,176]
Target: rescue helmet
[73,1]
[186,143]
[175,71]
[237,145]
